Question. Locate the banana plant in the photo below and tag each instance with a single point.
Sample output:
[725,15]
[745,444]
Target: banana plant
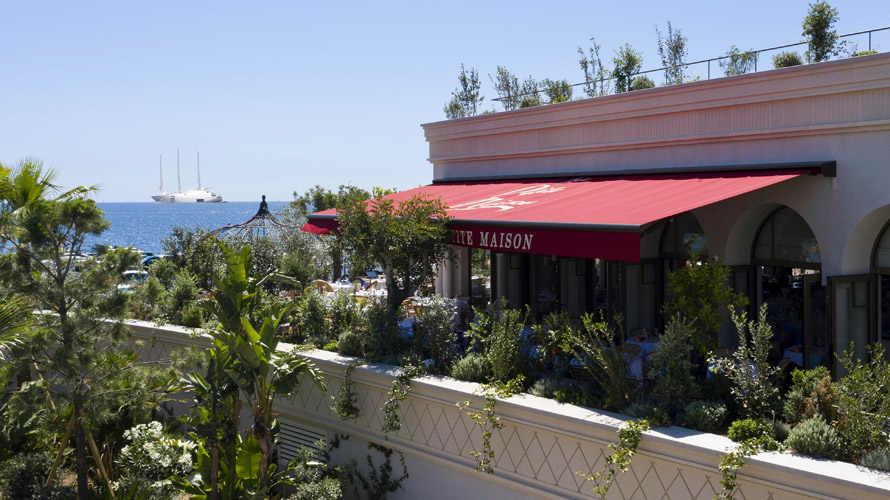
[244,363]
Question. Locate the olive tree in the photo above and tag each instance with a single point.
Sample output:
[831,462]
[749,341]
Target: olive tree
[407,238]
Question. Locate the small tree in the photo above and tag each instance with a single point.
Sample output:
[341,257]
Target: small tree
[672,50]
[466,98]
[406,238]
[818,28]
[738,62]
[749,368]
[670,366]
[597,80]
[317,199]
[557,90]
[699,292]
[627,62]
[507,86]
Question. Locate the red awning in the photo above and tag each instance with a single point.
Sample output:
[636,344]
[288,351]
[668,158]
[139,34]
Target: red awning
[592,217]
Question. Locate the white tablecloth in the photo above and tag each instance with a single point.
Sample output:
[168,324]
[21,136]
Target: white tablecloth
[795,354]
[646,346]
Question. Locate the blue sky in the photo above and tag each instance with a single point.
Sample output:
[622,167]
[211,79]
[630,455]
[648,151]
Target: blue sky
[280,96]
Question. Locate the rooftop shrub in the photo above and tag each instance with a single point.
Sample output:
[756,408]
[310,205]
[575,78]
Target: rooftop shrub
[749,368]
[705,416]
[497,333]
[811,394]
[864,402]
[816,438]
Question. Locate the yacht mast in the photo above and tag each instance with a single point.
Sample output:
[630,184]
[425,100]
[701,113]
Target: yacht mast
[199,169]
[178,181]
[161,164]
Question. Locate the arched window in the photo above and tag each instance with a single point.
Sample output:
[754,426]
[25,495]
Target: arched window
[880,260]
[681,236]
[786,240]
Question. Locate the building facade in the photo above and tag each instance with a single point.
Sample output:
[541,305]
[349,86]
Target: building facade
[784,175]
[814,245]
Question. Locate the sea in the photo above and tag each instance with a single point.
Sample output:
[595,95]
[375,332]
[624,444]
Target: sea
[144,225]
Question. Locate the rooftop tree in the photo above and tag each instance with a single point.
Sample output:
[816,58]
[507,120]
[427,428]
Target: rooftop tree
[466,98]
[672,50]
[818,28]
[597,79]
[406,238]
[627,63]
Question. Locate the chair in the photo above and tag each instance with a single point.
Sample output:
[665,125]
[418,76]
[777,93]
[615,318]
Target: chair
[322,286]
[782,377]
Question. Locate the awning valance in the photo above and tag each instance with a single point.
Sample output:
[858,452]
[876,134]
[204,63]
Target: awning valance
[592,217]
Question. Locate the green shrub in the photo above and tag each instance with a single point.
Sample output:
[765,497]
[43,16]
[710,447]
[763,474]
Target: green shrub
[787,59]
[545,387]
[343,312]
[750,428]
[331,346]
[605,363]
[749,368]
[864,402]
[310,319]
[816,438]
[551,336]
[640,409]
[642,82]
[164,270]
[435,331]
[23,477]
[574,395]
[670,367]
[183,290]
[704,416]
[146,299]
[497,333]
[192,315]
[383,339]
[780,430]
[876,459]
[811,394]
[351,343]
[473,367]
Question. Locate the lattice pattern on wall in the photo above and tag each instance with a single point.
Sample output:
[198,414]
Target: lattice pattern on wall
[538,454]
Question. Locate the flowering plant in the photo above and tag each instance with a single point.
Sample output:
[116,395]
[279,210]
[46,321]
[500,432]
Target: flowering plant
[151,457]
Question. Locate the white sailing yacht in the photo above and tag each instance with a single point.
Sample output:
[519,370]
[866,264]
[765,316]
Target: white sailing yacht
[199,195]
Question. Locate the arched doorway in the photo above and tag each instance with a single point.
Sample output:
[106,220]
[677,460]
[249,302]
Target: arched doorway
[786,254]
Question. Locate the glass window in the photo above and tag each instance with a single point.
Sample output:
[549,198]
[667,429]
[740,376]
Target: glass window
[881,257]
[785,238]
[682,236]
